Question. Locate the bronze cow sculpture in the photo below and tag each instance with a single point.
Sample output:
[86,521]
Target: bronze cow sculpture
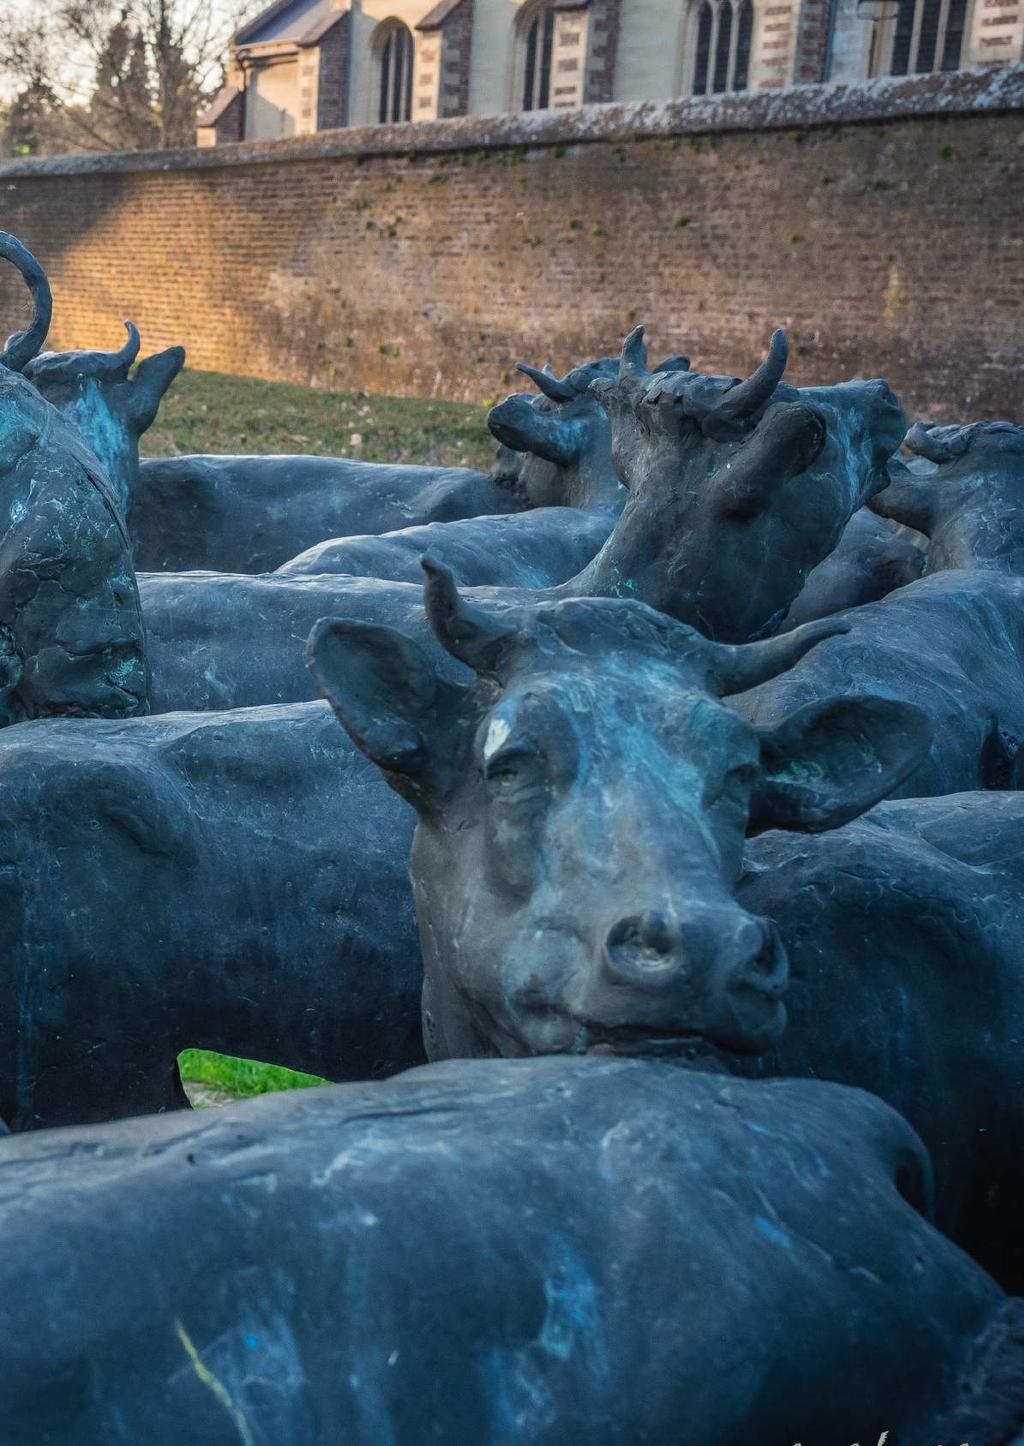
[71,635]
[221,641]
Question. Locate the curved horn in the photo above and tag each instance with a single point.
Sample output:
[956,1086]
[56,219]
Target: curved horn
[633,356]
[934,448]
[733,668]
[22,346]
[130,350]
[116,364]
[548,384]
[740,402]
[472,636]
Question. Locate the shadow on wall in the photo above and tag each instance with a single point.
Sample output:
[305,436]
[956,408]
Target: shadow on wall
[431,274]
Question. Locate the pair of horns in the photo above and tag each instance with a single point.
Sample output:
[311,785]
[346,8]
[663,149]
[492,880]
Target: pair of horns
[563,390]
[22,346]
[483,640]
[725,417]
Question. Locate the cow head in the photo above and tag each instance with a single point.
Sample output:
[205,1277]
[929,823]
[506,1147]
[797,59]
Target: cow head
[737,488]
[111,409]
[71,634]
[582,811]
[969,503]
[563,436]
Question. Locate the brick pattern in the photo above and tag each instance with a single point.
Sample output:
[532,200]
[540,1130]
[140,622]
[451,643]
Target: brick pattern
[887,247]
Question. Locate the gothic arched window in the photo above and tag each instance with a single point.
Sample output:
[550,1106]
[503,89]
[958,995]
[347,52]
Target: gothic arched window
[919,36]
[537,38]
[722,38]
[393,50]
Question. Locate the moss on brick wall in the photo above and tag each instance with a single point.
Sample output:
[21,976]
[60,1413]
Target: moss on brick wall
[887,243]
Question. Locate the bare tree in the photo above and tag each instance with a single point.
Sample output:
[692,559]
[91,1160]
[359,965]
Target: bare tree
[121,74]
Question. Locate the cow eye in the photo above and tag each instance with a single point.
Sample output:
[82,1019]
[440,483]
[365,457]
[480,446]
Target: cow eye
[515,770]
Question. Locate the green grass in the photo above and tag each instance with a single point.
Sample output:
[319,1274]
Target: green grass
[241,1078]
[212,412]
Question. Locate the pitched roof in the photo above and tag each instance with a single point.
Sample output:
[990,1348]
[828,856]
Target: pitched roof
[287,21]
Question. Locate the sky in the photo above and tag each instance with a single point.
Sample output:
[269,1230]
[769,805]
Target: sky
[19,10]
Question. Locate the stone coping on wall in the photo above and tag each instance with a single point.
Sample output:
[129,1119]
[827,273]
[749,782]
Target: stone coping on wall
[800,106]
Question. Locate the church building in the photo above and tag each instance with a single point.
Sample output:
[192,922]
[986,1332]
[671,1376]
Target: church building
[309,65]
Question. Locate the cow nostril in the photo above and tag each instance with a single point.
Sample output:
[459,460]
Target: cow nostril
[770,964]
[643,944]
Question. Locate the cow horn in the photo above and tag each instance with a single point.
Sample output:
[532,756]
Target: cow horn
[113,365]
[925,443]
[740,402]
[547,383]
[633,356]
[22,346]
[733,668]
[476,639]
[130,350]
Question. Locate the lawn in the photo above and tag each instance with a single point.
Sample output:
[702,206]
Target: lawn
[211,412]
[214,1079]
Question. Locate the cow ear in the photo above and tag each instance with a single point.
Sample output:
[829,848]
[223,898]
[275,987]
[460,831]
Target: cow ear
[390,699]
[152,378]
[907,498]
[517,424]
[833,760]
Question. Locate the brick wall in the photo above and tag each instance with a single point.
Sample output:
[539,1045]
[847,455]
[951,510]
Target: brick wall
[879,224]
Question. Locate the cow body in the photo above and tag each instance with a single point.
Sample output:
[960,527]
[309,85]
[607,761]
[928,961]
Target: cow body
[953,645]
[904,932]
[489,1252]
[578,870]
[192,881]
[531,549]
[228,641]
[252,514]
[246,513]
[969,501]
[562,449]
[953,641]
[870,560]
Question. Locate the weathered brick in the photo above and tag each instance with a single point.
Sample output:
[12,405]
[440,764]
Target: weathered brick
[888,242]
